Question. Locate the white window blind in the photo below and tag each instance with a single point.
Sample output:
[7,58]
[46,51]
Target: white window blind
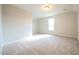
[51,24]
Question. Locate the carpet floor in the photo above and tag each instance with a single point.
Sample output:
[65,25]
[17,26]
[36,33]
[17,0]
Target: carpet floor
[43,45]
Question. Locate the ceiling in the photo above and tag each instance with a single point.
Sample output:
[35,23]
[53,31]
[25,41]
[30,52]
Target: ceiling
[37,12]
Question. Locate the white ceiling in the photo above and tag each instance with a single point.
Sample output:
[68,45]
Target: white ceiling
[37,12]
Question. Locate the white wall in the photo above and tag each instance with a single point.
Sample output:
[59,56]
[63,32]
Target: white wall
[65,25]
[17,23]
[43,25]
[0,29]
[34,26]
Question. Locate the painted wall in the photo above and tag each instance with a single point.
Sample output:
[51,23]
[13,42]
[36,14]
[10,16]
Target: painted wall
[65,25]
[78,25]
[0,29]
[17,24]
[34,26]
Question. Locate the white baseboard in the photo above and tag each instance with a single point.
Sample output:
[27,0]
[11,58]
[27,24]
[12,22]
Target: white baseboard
[62,34]
[71,36]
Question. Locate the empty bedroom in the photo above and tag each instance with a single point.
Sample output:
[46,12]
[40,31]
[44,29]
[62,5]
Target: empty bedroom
[40,29]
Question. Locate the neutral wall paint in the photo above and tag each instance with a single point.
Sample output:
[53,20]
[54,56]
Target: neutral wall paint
[34,26]
[17,24]
[65,25]
[0,29]
[78,21]
[78,25]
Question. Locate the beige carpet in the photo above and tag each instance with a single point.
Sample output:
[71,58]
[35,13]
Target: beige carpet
[45,45]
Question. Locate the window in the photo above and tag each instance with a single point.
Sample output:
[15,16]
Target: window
[51,24]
